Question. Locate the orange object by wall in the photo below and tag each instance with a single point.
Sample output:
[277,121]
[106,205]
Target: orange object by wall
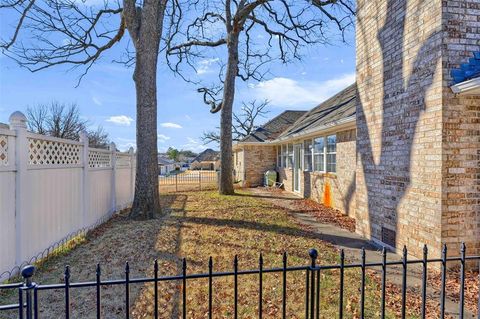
[327,195]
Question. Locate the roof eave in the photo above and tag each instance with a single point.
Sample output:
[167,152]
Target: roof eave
[335,126]
[469,87]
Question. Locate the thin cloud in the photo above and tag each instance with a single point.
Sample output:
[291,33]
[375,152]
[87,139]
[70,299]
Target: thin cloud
[162,138]
[124,144]
[204,66]
[193,145]
[96,101]
[290,93]
[170,125]
[122,120]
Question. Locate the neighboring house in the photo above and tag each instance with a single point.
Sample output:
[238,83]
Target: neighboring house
[400,150]
[251,161]
[165,165]
[314,154]
[206,160]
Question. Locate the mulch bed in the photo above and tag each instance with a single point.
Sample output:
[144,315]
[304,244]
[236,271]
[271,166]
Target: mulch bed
[472,284]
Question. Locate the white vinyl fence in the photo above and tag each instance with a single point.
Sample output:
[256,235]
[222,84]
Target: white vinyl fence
[52,188]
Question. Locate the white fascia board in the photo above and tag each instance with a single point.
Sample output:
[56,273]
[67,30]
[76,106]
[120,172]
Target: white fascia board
[469,87]
[336,126]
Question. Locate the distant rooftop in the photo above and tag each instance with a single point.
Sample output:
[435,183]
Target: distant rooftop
[273,128]
[165,161]
[207,155]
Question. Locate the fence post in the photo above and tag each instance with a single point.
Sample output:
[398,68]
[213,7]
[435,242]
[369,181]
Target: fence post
[313,256]
[85,182]
[113,161]
[132,173]
[18,123]
[200,180]
[28,286]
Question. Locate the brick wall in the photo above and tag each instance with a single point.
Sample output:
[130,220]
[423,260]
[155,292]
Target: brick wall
[417,144]
[399,122]
[285,176]
[461,130]
[257,160]
[239,166]
[338,188]
[340,185]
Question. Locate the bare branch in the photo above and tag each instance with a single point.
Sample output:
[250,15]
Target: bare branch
[245,122]
[59,32]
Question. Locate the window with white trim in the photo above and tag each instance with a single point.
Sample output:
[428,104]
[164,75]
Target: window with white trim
[332,153]
[319,154]
[307,155]
[279,156]
[290,156]
[284,156]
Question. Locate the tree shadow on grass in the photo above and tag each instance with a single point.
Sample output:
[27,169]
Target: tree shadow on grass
[277,229]
[166,244]
[290,197]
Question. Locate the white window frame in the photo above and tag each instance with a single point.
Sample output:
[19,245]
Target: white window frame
[330,153]
[279,155]
[323,168]
[290,155]
[304,155]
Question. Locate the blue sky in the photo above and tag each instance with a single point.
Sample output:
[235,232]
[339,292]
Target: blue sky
[106,96]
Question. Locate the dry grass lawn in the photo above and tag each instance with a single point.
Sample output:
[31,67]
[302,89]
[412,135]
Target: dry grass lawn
[199,225]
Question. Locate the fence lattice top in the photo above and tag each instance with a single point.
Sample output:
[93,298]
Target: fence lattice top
[3,150]
[99,158]
[45,152]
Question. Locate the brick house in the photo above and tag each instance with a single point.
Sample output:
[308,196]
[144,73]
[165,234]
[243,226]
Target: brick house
[400,150]
[255,154]
[206,160]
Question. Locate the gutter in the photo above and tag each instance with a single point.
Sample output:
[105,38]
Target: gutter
[466,86]
[335,126]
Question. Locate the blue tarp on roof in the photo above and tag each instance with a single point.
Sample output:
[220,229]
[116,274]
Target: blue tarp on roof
[467,71]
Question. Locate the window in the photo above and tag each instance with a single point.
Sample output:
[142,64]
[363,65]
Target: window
[332,153]
[284,156]
[279,156]
[319,154]
[307,155]
[290,156]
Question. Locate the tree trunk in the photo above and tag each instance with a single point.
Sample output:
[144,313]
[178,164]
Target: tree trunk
[226,155]
[146,202]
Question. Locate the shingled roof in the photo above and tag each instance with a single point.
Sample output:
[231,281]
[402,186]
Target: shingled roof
[273,128]
[208,155]
[337,108]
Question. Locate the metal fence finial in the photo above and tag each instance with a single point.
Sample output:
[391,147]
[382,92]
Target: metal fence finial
[313,253]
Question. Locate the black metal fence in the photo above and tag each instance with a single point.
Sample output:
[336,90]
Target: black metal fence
[188,180]
[28,291]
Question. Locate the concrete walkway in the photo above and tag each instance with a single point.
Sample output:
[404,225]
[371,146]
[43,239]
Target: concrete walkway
[353,243]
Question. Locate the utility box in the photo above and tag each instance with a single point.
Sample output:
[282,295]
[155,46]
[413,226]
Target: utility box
[270,178]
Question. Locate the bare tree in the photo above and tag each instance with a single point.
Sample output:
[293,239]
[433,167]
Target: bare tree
[249,34]
[243,124]
[98,138]
[56,119]
[50,33]
[60,120]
